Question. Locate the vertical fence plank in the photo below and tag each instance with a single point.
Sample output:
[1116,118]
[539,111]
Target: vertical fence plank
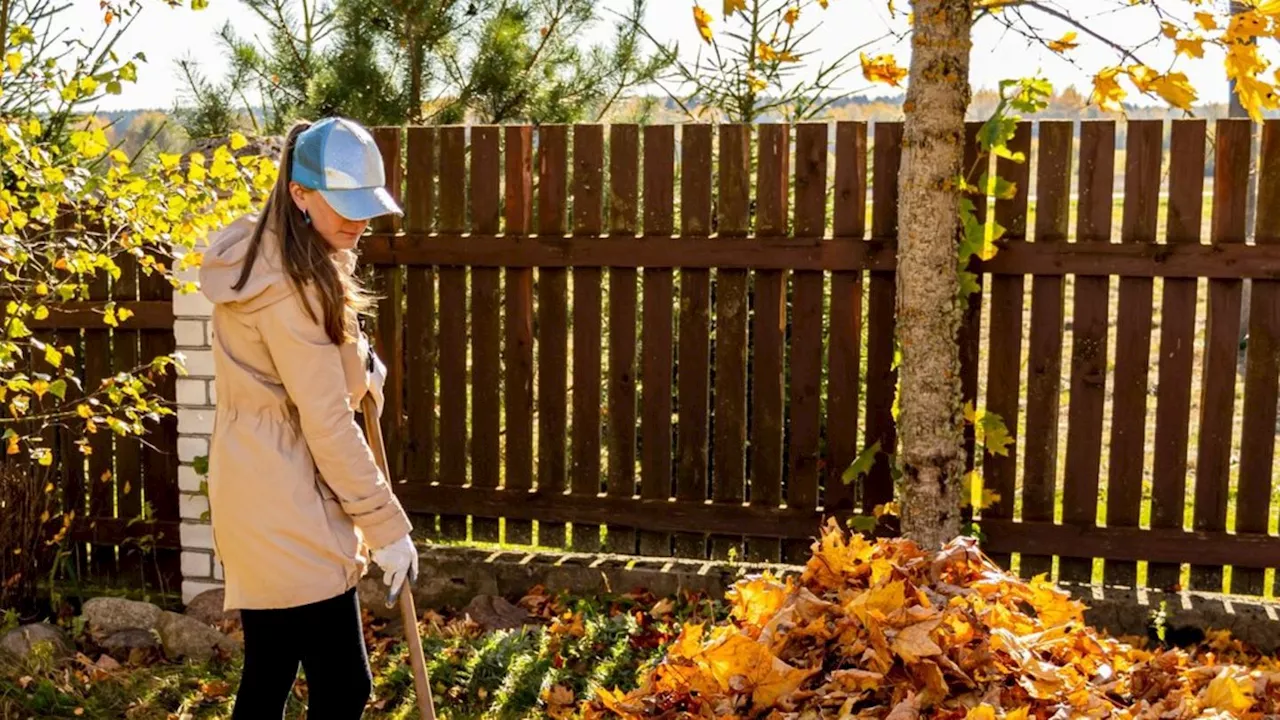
[453,327]
[518,353]
[849,224]
[99,482]
[1257,441]
[1177,343]
[389,340]
[1088,342]
[420,314]
[553,328]
[128,474]
[1218,390]
[773,168]
[624,169]
[976,164]
[694,377]
[733,220]
[588,194]
[882,378]
[70,461]
[160,456]
[657,348]
[806,333]
[486,327]
[1044,373]
[1004,357]
[1133,352]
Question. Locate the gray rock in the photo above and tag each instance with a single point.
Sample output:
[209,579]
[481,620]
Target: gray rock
[495,613]
[20,643]
[207,608]
[187,637]
[106,616]
[122,644]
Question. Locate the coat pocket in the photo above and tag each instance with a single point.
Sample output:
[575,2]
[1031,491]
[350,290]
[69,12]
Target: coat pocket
[340,525]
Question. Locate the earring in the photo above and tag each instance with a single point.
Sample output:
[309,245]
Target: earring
[306,217]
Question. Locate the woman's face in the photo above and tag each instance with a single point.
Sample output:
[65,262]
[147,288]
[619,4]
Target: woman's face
[339,232]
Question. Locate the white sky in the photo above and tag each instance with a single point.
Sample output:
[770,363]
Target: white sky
[166,34]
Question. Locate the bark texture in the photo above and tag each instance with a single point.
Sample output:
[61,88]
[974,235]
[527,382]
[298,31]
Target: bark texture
[930,420]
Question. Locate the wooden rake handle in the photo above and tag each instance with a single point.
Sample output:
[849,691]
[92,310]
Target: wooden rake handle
[408,612]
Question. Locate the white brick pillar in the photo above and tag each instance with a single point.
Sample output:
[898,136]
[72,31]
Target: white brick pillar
[193,331]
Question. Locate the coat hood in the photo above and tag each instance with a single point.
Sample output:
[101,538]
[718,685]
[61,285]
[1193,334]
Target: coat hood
[268,282]
[224,261]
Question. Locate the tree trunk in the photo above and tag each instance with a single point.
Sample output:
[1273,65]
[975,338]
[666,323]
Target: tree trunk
[931,420]
[416,63]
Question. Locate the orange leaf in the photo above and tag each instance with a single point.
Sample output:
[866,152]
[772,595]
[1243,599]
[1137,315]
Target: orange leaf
[913,642]
[882,69]
[1064,43]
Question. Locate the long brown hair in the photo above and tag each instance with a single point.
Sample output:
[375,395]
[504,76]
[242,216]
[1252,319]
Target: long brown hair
[307,257]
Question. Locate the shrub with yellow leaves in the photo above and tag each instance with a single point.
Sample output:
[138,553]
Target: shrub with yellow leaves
[67,218]
[885,630]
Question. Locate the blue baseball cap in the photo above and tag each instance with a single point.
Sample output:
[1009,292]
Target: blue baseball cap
[339,159]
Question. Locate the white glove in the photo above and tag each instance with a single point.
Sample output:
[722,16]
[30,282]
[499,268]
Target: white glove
[398,561]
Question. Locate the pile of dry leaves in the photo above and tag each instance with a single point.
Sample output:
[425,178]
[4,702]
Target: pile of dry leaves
[884,630]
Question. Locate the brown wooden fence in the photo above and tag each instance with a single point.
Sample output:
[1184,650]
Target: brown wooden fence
[124,491]
[685,335]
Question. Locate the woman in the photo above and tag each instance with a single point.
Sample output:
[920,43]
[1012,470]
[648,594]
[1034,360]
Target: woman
[294,490]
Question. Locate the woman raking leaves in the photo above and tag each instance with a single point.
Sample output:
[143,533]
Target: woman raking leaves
[297,501]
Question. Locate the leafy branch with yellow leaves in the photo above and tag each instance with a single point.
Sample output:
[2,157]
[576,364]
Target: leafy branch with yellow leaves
[66,224]
[754,61]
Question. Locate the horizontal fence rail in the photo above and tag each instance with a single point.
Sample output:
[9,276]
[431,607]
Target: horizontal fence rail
[675,340]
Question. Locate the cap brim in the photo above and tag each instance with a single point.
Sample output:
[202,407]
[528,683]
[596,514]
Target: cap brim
[362,203]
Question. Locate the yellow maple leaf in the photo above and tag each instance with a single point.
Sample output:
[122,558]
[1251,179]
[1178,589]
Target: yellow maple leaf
[1022,713]
[881,600]
[757,600]
[702,19]
[1064,43]
[1225,692]
[1168,29]
[792,15]
[1191,47]
[882,69]
[1207,20]
[1107,93]
[731,6]
[755,83]
[1142,77]
[1256,95]
[765,52]
[823,3]
[742,664]
[1175,89]
[982,712]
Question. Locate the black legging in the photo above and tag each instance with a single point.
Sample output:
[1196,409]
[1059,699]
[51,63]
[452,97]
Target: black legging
[327,639]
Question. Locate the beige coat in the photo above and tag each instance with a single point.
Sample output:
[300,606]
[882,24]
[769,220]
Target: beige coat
[295,495]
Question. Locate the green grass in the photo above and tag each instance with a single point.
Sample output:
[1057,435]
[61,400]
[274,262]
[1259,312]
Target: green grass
[474,675]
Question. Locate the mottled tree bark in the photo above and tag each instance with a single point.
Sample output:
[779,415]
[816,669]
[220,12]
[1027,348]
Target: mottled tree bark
[930,420]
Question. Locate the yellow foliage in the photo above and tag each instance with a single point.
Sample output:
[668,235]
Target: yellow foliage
[732,6]
[702,19]
[882,69]
[1064,43]
[1107,92]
